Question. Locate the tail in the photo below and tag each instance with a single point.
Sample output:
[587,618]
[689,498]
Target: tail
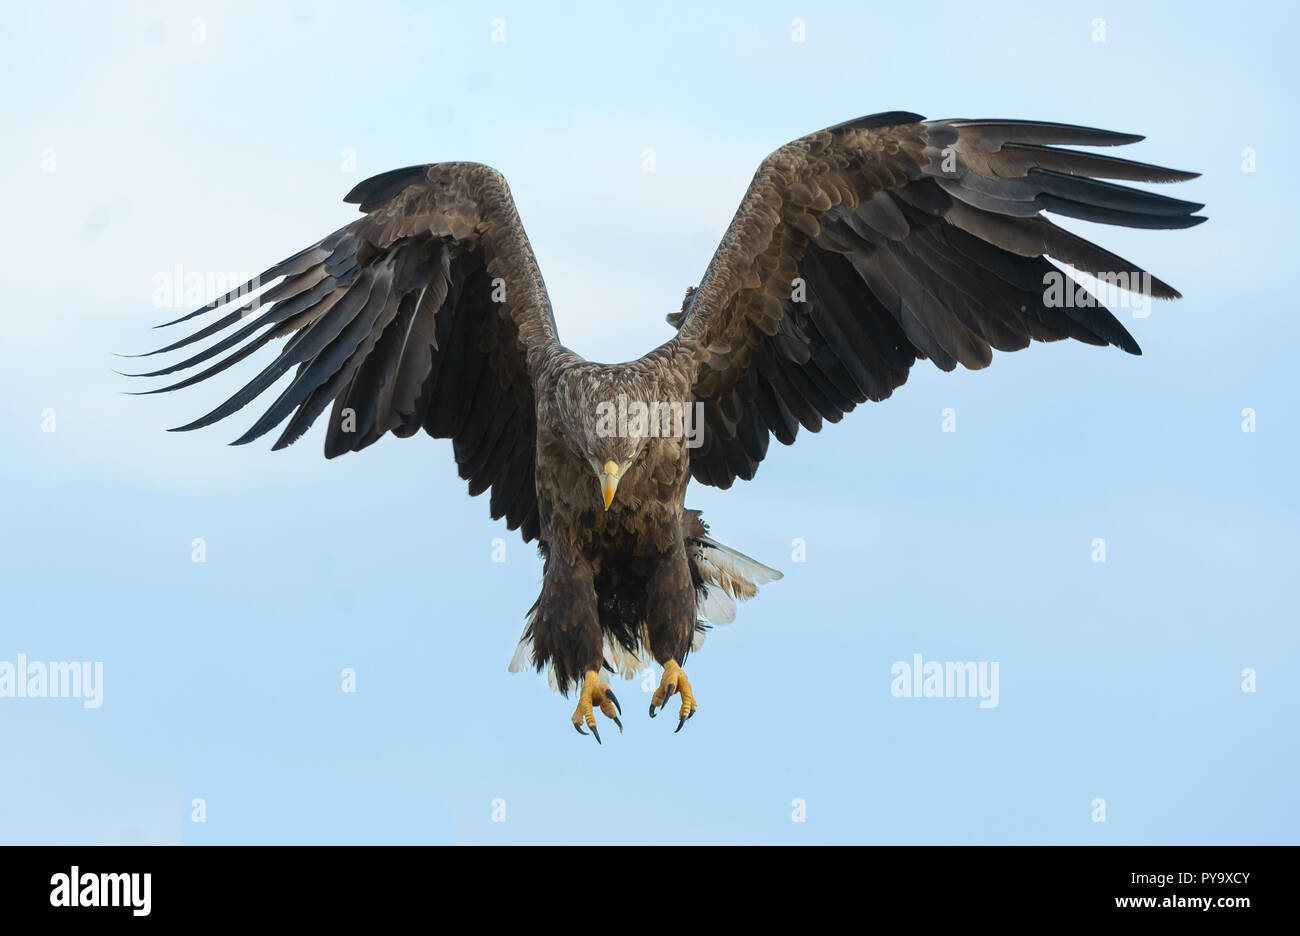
[722,576]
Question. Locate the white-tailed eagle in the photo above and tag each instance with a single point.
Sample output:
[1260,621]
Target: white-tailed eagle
[856,251]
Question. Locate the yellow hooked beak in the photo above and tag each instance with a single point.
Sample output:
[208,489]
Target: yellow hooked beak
[609,482]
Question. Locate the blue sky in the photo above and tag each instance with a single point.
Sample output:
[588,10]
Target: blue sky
[134,148]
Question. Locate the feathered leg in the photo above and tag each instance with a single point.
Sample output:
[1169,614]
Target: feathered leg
[670,623]
[565,635]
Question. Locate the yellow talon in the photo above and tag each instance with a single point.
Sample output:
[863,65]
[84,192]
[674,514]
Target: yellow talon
[595,695]
[674,680]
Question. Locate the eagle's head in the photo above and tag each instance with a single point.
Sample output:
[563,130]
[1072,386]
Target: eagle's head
[614,419]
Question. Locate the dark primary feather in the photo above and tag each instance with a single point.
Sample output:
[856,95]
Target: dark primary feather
[911,239]
[392,319]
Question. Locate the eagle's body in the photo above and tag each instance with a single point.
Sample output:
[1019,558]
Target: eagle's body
[608,571]
[856,251]
[623,583]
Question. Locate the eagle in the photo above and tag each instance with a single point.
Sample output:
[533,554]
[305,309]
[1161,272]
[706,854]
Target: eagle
[856,251]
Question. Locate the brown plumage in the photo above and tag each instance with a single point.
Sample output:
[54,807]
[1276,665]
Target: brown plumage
[856,251]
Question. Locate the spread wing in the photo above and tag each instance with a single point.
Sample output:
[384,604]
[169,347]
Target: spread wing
[429,311]
[861,248]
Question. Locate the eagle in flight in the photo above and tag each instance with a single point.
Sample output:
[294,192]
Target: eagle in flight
[856,251]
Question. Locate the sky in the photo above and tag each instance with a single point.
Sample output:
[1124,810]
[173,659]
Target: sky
[1147,698]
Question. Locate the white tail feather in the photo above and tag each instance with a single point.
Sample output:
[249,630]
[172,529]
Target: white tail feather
[523,658]
[735,573]
[727,577]
[716,607]
[627,663]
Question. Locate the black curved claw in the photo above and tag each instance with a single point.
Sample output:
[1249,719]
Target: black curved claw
[620,725]
[668,693]
[613,698]
[597,734]
[680,722]
[578,729]
[652,710]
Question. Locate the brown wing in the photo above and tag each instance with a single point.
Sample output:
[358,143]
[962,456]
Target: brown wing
[861,248]
[429,312]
